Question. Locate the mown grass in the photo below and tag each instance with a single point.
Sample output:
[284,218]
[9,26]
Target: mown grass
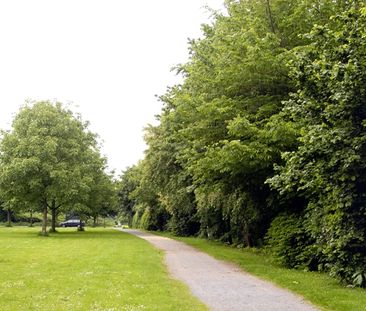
[99,269]
[318,288]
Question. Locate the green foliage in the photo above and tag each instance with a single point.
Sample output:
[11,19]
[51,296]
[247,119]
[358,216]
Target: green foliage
[224,122]
[150,219]
[135,222]
[155,194]
[359,278]
[329,166]
[170,181]
[290,244]
[49,160]
[102,200]
[214,119]
[125,187]
[146,220]
[271,113]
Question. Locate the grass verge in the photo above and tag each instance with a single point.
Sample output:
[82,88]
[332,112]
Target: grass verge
[318,288]
[99,269]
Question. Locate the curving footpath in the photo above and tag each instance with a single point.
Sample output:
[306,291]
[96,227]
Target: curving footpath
[220,285]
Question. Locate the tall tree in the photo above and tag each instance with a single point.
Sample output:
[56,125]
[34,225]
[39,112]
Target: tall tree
[223,120]
[45,157]
[103,194]
[171,182]
[148,211]
[328,168]
[221,130]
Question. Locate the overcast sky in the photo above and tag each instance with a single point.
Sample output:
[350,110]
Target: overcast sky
[109,58]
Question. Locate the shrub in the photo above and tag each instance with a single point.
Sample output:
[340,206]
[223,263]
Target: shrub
[290,244]
[136,220]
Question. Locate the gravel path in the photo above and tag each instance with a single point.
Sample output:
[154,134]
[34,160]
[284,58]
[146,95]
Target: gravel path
[220,285]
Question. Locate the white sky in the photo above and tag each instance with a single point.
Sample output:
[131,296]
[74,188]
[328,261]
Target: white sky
[107,57]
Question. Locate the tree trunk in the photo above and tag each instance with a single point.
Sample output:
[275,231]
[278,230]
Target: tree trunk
[31,218]
[273,27]
[44,220]
[80,227]
[247,237]
[53,220]
[53,216]
[8,218]
[95,220]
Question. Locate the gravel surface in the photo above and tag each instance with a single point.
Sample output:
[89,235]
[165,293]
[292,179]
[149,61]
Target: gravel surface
[220,285]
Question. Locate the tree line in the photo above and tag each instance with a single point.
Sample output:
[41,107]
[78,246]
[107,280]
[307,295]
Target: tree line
[264,141]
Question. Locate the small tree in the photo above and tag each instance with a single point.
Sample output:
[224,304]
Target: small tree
[103,195]
[128,183]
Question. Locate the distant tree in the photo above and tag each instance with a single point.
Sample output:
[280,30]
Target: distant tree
[45,159]
[139,199]
[102,200]
[127,184]
[6,209]
[170,181]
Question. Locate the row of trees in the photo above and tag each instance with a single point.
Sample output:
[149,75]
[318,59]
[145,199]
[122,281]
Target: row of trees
[264,141]
[50,162]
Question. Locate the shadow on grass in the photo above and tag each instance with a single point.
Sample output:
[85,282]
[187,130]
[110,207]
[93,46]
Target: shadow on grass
[89,233]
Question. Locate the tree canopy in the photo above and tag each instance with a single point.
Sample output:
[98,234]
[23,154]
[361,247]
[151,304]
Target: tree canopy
[49,159]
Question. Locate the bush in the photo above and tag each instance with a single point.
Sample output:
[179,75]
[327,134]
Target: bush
[136,220]
[145,222]
[154,219]
[182,224]
[290,244]
[149,218]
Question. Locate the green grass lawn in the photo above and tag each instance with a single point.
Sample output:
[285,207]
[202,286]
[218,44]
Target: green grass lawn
[317,288]
[99,269]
